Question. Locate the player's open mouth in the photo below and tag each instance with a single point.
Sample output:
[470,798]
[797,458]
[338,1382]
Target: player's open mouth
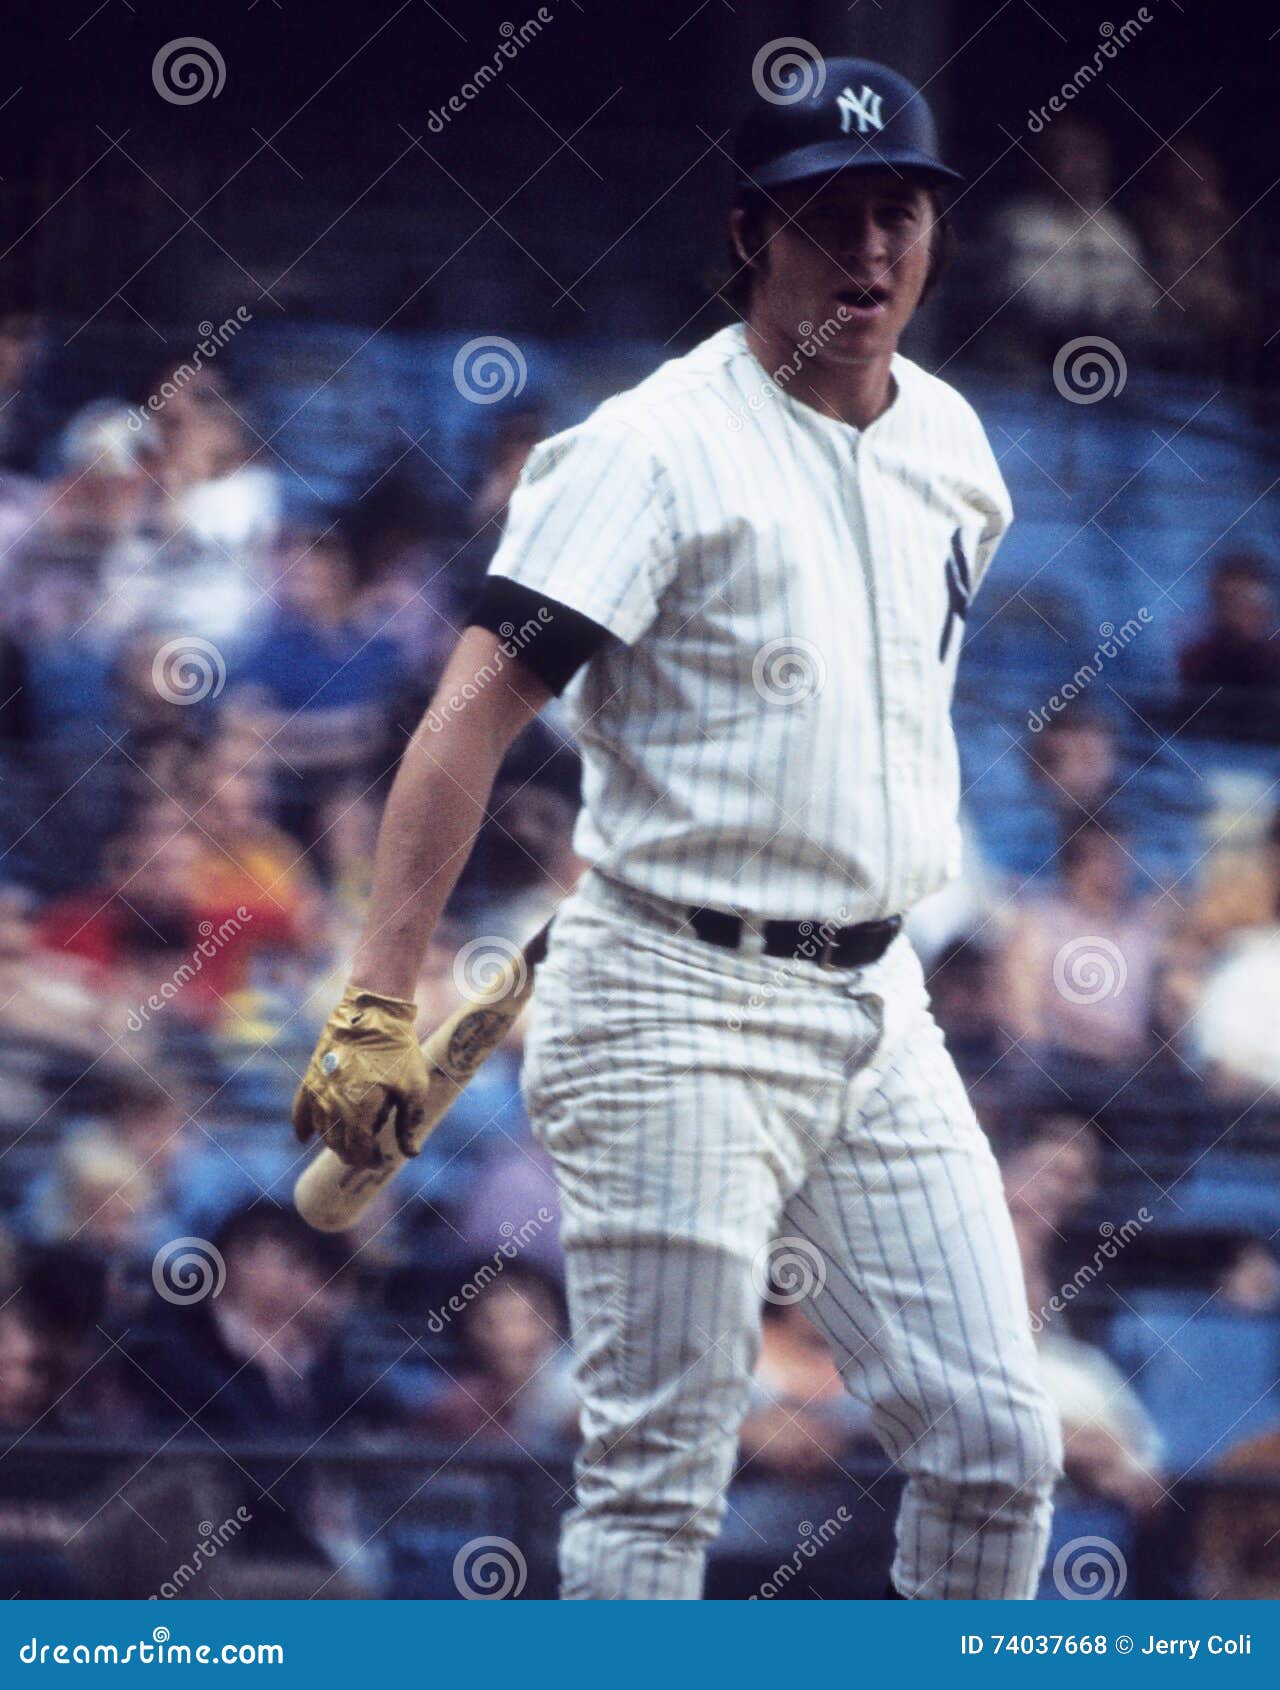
[862,302]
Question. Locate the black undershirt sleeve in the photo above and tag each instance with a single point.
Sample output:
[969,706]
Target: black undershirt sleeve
[545,635]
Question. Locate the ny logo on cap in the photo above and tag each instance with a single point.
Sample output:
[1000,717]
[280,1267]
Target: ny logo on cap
[864,108]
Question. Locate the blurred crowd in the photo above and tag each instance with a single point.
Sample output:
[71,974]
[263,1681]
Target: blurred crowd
[204,687]
[1152,259]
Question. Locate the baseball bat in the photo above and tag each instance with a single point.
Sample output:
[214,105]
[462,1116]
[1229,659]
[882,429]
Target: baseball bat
[330,1195]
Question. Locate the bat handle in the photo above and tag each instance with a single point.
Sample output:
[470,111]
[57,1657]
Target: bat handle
[332,1197]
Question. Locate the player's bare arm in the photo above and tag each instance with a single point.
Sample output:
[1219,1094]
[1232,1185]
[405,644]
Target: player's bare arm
[367,1067]
[437,804]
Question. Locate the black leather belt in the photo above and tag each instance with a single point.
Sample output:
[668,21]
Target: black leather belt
[803,941]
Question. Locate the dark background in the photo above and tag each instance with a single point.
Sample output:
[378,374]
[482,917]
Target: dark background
[583,195]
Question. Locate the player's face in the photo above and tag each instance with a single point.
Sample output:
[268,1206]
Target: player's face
[853,251]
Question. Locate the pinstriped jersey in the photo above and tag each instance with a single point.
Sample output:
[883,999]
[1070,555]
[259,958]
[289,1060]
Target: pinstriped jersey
[769,732]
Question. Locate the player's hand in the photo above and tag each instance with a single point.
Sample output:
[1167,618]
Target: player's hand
[365,1070]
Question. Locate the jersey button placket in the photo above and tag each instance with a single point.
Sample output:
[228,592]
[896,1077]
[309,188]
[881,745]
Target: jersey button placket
[864,464]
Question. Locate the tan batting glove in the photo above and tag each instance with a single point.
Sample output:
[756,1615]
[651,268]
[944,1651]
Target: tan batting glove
[366,1068]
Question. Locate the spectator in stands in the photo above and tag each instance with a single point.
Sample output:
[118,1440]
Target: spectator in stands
[515,1381]
[317,688]
[1050,1178]
[396,536]
[1077,769]
[59,790]
[1238,1536]
[262,1356]
[1186,224]
[24,1395]
[246,863]
[36,1515]
[801,1422]
[70,1291]
[1241,648]
[1112,1453]
[33,1526]
[105,1197]
[1205,1365]
[216,486]
[15,702]
[1227,958]
[1070,264]
[1079,965]
[21,502]
[25,409]
[1111,1450]
[187,1527]
[201,518]
[139,926]
[85,537]
[52,997]
[1251,1283]
[1075,765]
[158,734]
[1240,877]
[1233,1031]
[113,1187]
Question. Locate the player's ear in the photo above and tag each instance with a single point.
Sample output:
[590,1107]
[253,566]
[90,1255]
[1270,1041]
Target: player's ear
[740,232]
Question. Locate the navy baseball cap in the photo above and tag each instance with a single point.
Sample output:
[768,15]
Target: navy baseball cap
[814,116]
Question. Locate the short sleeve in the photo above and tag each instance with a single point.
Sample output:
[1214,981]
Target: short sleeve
[991,497]
[589,526]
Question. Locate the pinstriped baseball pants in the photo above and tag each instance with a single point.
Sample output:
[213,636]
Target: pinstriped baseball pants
[701,1106]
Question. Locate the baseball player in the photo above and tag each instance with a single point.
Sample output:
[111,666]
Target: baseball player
[748,576]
